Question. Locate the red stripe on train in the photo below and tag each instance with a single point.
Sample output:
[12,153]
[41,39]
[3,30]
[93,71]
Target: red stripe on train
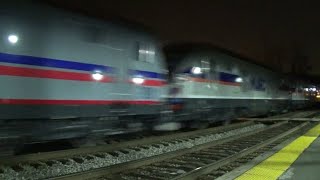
[50,74]
[76,102]
[152,82]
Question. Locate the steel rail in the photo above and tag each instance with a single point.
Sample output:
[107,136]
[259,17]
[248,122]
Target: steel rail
[214,166]
[46,156]
[112,170]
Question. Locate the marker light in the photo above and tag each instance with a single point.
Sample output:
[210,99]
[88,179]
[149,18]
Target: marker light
[239,80]
[196,70]
[138,80]
[97,76]
[13,39]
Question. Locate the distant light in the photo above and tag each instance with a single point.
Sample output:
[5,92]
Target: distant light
[196,70]
[138,80]
[13,39]
[306,89]
[97,76]
[146,52]
[312,89]
[239,80]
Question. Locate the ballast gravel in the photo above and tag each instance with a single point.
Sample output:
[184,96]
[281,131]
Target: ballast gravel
[43,170]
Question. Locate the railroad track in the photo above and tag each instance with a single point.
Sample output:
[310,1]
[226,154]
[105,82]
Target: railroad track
[223,172]
[197,161]
[118,160]
[60,163]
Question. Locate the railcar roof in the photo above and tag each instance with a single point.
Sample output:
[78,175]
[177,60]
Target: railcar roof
[16,7]
[177,51]
[183,49]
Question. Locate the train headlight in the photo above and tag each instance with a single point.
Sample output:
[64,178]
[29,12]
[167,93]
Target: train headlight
[239,80]
[196,70]
[138,80]
[97,76]
[13,39]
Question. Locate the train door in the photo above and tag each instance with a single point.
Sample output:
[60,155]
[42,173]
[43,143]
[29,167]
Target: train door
[121,94]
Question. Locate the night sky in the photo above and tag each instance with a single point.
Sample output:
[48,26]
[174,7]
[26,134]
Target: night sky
[279,34]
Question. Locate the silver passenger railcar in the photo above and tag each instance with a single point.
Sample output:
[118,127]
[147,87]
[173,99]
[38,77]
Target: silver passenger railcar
[210,85]
[65,75]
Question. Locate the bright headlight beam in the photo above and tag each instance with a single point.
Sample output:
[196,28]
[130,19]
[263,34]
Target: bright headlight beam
[196,70]
[97,76]
[138,80]
[239,80]
[13,39]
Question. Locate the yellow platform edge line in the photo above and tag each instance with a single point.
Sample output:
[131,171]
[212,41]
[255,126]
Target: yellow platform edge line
[274,166]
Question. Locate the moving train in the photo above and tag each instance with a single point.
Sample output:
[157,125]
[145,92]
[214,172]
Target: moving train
[64,75]
[210,84]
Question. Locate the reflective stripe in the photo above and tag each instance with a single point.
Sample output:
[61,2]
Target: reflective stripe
[277,164]
[76,102]
[51,74]
[54,63]
[147,74]
[151,82]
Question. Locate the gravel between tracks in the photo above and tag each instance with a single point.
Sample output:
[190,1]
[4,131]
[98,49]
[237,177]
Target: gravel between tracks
[42,170]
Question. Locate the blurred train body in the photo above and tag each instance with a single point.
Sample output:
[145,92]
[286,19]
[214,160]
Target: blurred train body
[211,85]
[65,75]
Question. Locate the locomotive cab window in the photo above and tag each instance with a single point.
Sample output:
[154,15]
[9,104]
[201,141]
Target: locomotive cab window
[146,52]
[205,66]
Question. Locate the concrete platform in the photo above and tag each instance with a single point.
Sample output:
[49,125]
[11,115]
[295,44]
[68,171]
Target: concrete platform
[294,159]
[307,166]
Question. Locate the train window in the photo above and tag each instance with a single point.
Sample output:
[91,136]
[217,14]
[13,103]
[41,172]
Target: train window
[205,66]
[258,84]
[146,52]
[214,75]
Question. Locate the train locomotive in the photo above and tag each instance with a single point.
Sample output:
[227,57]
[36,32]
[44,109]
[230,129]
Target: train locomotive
[209,84]
[65,75]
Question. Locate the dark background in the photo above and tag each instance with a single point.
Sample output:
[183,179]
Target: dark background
[281,34]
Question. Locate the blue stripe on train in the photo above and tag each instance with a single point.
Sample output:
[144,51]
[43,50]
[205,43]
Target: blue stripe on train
[226,77]
[147,74]
[257,84]
[46,62]
[222,76]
